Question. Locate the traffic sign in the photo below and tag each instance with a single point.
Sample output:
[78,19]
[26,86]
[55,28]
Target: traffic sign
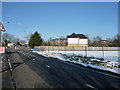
[2,27]
[2,49]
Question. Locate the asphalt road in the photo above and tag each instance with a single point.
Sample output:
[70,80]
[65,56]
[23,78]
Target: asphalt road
[31,70]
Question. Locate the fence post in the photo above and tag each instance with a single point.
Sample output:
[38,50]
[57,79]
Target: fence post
[61,48]
[73,50]
[52,49]
[58,49]
[48,49]
[102,52]
[85,51]
[65,50]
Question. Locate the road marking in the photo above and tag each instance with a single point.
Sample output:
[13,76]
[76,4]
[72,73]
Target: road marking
[33,58]
[9,64]
[14,85]
[4,66]
[48,66]
[90,86]
[1,62]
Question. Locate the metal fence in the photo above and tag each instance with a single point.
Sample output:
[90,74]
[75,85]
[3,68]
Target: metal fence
[85,50]
[75,48]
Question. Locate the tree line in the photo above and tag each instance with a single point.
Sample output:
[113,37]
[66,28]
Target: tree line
[9,38]
[110,42]
[35,39]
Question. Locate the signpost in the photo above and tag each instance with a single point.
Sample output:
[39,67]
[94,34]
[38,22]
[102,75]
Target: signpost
[2,49]
[2,27]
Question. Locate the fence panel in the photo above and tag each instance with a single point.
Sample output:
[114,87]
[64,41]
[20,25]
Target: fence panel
[76,48]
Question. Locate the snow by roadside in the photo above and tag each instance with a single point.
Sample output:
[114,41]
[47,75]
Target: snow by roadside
[109,64]
[108,55]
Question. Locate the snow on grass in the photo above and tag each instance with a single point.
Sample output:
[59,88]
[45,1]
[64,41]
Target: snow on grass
[110,63]
[108,55]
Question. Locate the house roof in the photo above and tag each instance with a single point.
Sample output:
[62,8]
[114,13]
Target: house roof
[73,35]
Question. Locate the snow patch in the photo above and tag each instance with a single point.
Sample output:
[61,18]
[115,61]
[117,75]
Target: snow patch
[94,62]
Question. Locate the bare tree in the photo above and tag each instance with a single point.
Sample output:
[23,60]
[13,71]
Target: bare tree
[89,41]
[116,40]
[28,36]
[96,41]
[17,40]
[63,37]
[8,37]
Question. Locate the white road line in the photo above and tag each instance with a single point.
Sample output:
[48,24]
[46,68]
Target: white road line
[4,66]
[14,86]
[90,86]
[9,64]
[1,62]
[33,59]
[48,66]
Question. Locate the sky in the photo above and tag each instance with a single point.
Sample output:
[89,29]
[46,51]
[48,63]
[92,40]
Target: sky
[57,19]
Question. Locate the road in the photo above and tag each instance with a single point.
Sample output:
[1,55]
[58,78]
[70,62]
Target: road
[30,70]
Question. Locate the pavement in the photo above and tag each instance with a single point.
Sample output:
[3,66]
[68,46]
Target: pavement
[30,70]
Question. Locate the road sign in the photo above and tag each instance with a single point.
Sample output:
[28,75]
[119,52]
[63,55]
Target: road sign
[2,49]
[2,27]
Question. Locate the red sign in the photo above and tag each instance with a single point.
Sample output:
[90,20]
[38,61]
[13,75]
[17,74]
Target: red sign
[2,49]
[2,27]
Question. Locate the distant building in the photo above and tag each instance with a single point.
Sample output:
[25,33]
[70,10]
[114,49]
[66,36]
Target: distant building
[11,45]
[58,42]
[77,40]
[104,43]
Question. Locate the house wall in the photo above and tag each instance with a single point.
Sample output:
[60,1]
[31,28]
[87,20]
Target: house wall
[73,41]
[77,42]
[83,42]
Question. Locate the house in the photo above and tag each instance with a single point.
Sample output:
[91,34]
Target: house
[104,43]
[58,42]
[77,40]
